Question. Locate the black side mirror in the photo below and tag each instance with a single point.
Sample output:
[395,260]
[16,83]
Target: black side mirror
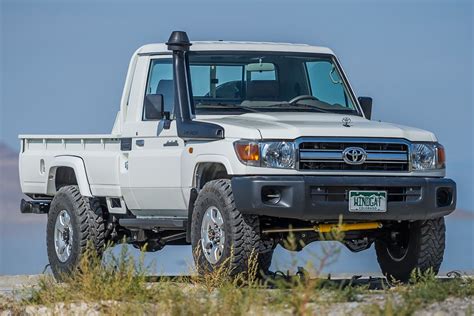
[154,108]
[366,104]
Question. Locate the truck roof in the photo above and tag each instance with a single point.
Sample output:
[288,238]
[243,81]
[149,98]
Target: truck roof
[239,46]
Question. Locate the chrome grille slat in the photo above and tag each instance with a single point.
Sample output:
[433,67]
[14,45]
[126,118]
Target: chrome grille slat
[337,155]
[386,151]
[368,162]
[326,154]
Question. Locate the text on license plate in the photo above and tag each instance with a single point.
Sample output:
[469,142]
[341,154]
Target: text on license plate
[367,201]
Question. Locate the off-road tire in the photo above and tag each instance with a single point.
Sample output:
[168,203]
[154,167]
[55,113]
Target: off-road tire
[267,247]
[242,232]
[425,250]
[87,224]
[265,261]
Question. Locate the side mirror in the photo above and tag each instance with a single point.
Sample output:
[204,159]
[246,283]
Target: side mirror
[366,104]
[154,108]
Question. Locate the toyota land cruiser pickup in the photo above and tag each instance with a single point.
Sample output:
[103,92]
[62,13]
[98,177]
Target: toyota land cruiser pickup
[231,147]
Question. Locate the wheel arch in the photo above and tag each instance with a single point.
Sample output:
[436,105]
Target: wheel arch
[68,170]
[206,169]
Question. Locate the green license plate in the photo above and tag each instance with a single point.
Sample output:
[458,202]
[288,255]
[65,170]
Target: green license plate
[367,201]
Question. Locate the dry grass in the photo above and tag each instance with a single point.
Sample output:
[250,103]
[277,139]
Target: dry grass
[119,285]
[423,290]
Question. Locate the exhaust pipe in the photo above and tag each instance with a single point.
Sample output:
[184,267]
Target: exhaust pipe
[179,44]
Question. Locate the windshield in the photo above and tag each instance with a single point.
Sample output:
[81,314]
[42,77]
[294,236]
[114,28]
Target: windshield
[242,82]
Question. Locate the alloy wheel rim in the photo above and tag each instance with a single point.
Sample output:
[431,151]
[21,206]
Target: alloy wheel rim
[212,234]
[63,236]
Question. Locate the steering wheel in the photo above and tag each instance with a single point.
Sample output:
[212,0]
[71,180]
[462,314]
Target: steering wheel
[302,97]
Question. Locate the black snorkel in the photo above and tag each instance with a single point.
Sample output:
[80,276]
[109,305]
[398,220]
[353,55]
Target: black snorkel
[184,105]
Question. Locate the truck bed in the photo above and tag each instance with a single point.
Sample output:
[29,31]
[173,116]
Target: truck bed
[99,154]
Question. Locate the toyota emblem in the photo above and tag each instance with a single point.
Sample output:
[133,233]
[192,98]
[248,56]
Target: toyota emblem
[354,155]
[346,121]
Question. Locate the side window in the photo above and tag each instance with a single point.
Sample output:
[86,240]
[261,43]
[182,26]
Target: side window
[326,84]
[160,81]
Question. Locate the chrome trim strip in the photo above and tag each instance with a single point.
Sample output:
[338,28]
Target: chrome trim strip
[305,155]
[365,163]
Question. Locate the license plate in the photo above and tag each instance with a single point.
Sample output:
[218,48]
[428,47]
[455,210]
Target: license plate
[367,201]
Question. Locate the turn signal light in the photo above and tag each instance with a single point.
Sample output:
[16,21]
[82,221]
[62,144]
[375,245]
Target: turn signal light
[441,156]
[248,152]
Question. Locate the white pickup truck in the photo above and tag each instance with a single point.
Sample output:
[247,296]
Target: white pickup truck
[232,146]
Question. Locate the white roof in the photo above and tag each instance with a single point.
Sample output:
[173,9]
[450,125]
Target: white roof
[240,46]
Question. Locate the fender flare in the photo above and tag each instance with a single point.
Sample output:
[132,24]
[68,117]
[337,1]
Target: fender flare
[77,164]
[213,159]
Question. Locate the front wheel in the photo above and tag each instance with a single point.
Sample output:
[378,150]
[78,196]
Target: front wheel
[220,234]
[415,245]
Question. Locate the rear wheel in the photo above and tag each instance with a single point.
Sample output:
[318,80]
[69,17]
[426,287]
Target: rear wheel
[74,222]
[220,234]
[415,245]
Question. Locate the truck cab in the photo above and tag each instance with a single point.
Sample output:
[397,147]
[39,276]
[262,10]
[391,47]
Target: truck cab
[233,146]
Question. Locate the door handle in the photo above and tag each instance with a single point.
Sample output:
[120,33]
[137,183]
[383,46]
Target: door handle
[171,143]
[140,142]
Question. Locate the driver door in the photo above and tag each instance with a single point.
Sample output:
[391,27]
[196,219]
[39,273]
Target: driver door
[153,180]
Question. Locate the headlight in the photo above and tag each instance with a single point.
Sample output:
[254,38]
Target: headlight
[426,156]
[278,154]
[266,154]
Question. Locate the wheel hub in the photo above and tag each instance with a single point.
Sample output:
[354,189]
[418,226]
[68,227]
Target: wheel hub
[212,234]
[66,235]
[63,236]
[397,248]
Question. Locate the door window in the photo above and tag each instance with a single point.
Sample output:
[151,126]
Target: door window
[160,81]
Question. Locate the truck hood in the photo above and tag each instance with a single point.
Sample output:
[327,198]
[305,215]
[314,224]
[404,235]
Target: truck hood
[284,125]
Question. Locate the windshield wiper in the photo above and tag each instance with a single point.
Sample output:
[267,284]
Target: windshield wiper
[226,105]
[289,106]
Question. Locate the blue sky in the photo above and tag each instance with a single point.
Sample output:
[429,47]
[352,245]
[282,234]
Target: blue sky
[63,64]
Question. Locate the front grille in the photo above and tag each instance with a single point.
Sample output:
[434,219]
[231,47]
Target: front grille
[327,155]
[338,193]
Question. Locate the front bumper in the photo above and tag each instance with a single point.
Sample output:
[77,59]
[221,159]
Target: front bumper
[325,198]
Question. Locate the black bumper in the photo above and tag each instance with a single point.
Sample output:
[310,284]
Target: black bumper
[326,197]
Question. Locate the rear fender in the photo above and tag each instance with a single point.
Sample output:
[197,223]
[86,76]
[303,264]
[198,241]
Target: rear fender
[75,163]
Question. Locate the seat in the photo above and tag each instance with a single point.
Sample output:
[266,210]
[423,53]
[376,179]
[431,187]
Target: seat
[262,90]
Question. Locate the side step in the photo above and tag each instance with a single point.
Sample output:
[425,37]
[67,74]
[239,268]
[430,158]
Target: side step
[164,223]
[35,206]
